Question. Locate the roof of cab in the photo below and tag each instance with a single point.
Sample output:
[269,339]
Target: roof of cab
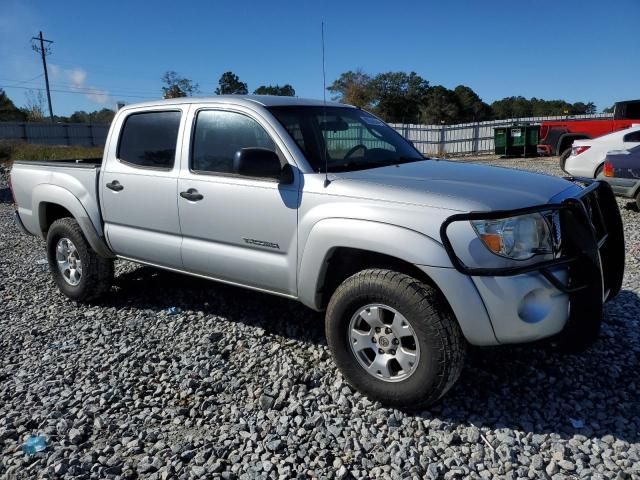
[249,100]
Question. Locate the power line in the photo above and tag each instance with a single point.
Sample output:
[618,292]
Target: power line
[97,92]
[44,51]
[103,68]
[113,91]
[22,82]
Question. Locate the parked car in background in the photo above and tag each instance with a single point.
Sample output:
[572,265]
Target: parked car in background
[587,156]
[622,171]
[556,136]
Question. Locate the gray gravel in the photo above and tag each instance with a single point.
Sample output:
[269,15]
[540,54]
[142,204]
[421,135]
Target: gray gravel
[236,384]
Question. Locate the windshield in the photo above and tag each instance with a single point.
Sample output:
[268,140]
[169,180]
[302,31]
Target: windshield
[351,139]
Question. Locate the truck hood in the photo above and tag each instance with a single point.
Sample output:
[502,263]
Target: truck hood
[453,186]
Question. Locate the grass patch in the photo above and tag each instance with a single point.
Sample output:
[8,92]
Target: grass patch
[12,151]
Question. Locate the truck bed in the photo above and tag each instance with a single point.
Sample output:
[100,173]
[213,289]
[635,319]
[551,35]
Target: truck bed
[72,180]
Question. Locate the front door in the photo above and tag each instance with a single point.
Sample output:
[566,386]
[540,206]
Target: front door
[236,229]
[140,188]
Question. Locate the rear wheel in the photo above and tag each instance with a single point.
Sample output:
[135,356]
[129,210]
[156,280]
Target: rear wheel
[638,200]
[563,158]
[599,171]
[79,272]
[394,338]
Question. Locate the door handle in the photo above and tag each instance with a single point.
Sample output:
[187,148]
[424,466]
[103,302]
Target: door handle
[192,195]
[115,186]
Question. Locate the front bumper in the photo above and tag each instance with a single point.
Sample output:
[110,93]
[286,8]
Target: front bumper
[623,187]
[538,300]
[524,308]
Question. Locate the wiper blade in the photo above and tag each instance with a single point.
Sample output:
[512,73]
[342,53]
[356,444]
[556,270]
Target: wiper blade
[402,160]
[373,164]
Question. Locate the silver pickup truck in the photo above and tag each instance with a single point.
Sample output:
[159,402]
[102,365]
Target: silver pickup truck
[412,258]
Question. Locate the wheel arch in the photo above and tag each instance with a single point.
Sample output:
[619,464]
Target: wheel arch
[370,244]
[336,248]
[51,202]
[342,262]
[566,140]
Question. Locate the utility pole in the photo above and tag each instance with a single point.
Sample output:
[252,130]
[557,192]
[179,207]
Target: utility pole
[44,51]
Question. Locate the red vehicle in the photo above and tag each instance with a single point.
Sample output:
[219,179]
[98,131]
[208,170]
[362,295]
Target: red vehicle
[557,136]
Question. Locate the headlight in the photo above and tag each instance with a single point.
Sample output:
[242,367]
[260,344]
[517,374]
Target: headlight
[520,237]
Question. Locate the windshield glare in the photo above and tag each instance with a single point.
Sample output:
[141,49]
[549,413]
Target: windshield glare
[350,138]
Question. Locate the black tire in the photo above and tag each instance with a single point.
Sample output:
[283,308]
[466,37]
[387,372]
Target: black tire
[599,171]
[97,272]
[563,158]
[441,343]
[637,199]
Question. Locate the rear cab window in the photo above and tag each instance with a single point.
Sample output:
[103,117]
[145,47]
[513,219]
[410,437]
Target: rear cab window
[632,137]
[633,110]
[149,139]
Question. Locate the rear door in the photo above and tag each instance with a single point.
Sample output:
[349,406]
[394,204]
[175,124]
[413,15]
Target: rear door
[140,186]
[240,230]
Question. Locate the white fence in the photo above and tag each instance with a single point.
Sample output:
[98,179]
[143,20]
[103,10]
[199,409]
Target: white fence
[461,139]
[467,138]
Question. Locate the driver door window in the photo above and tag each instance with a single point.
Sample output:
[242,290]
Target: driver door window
[219,135]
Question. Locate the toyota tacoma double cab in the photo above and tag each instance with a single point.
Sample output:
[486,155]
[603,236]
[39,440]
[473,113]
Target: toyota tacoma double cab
[413,259]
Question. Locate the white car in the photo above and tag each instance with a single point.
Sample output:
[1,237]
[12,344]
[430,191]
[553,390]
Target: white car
[587,156]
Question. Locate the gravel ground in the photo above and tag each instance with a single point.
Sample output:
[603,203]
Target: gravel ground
[236,384]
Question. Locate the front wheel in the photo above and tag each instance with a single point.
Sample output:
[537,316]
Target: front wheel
[394,338]
[79,272]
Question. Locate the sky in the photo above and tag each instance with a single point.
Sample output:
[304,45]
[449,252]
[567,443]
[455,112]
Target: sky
[105,52]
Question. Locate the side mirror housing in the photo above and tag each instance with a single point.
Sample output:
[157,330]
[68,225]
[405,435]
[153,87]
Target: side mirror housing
[261,163]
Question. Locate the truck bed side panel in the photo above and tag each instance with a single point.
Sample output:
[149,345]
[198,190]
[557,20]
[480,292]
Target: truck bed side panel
[32,184]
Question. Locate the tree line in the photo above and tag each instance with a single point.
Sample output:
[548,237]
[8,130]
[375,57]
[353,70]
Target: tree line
[34,111]
[408,98]
[398,97]
[175,86]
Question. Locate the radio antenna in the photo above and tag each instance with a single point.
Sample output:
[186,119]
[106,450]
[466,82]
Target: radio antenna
[324,114]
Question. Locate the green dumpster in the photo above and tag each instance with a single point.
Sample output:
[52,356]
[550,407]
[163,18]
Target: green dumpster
[500,140]
[516,140]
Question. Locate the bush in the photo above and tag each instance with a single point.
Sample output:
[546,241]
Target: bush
[6,149]
[11,151]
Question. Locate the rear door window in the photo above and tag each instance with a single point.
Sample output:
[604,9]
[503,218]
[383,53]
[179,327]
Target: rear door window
[149,139]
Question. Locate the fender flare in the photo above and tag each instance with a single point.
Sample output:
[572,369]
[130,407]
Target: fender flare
[45,193]
[332,233]
[572,136]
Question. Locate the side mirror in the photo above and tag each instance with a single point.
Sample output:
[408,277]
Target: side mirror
[260,163]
